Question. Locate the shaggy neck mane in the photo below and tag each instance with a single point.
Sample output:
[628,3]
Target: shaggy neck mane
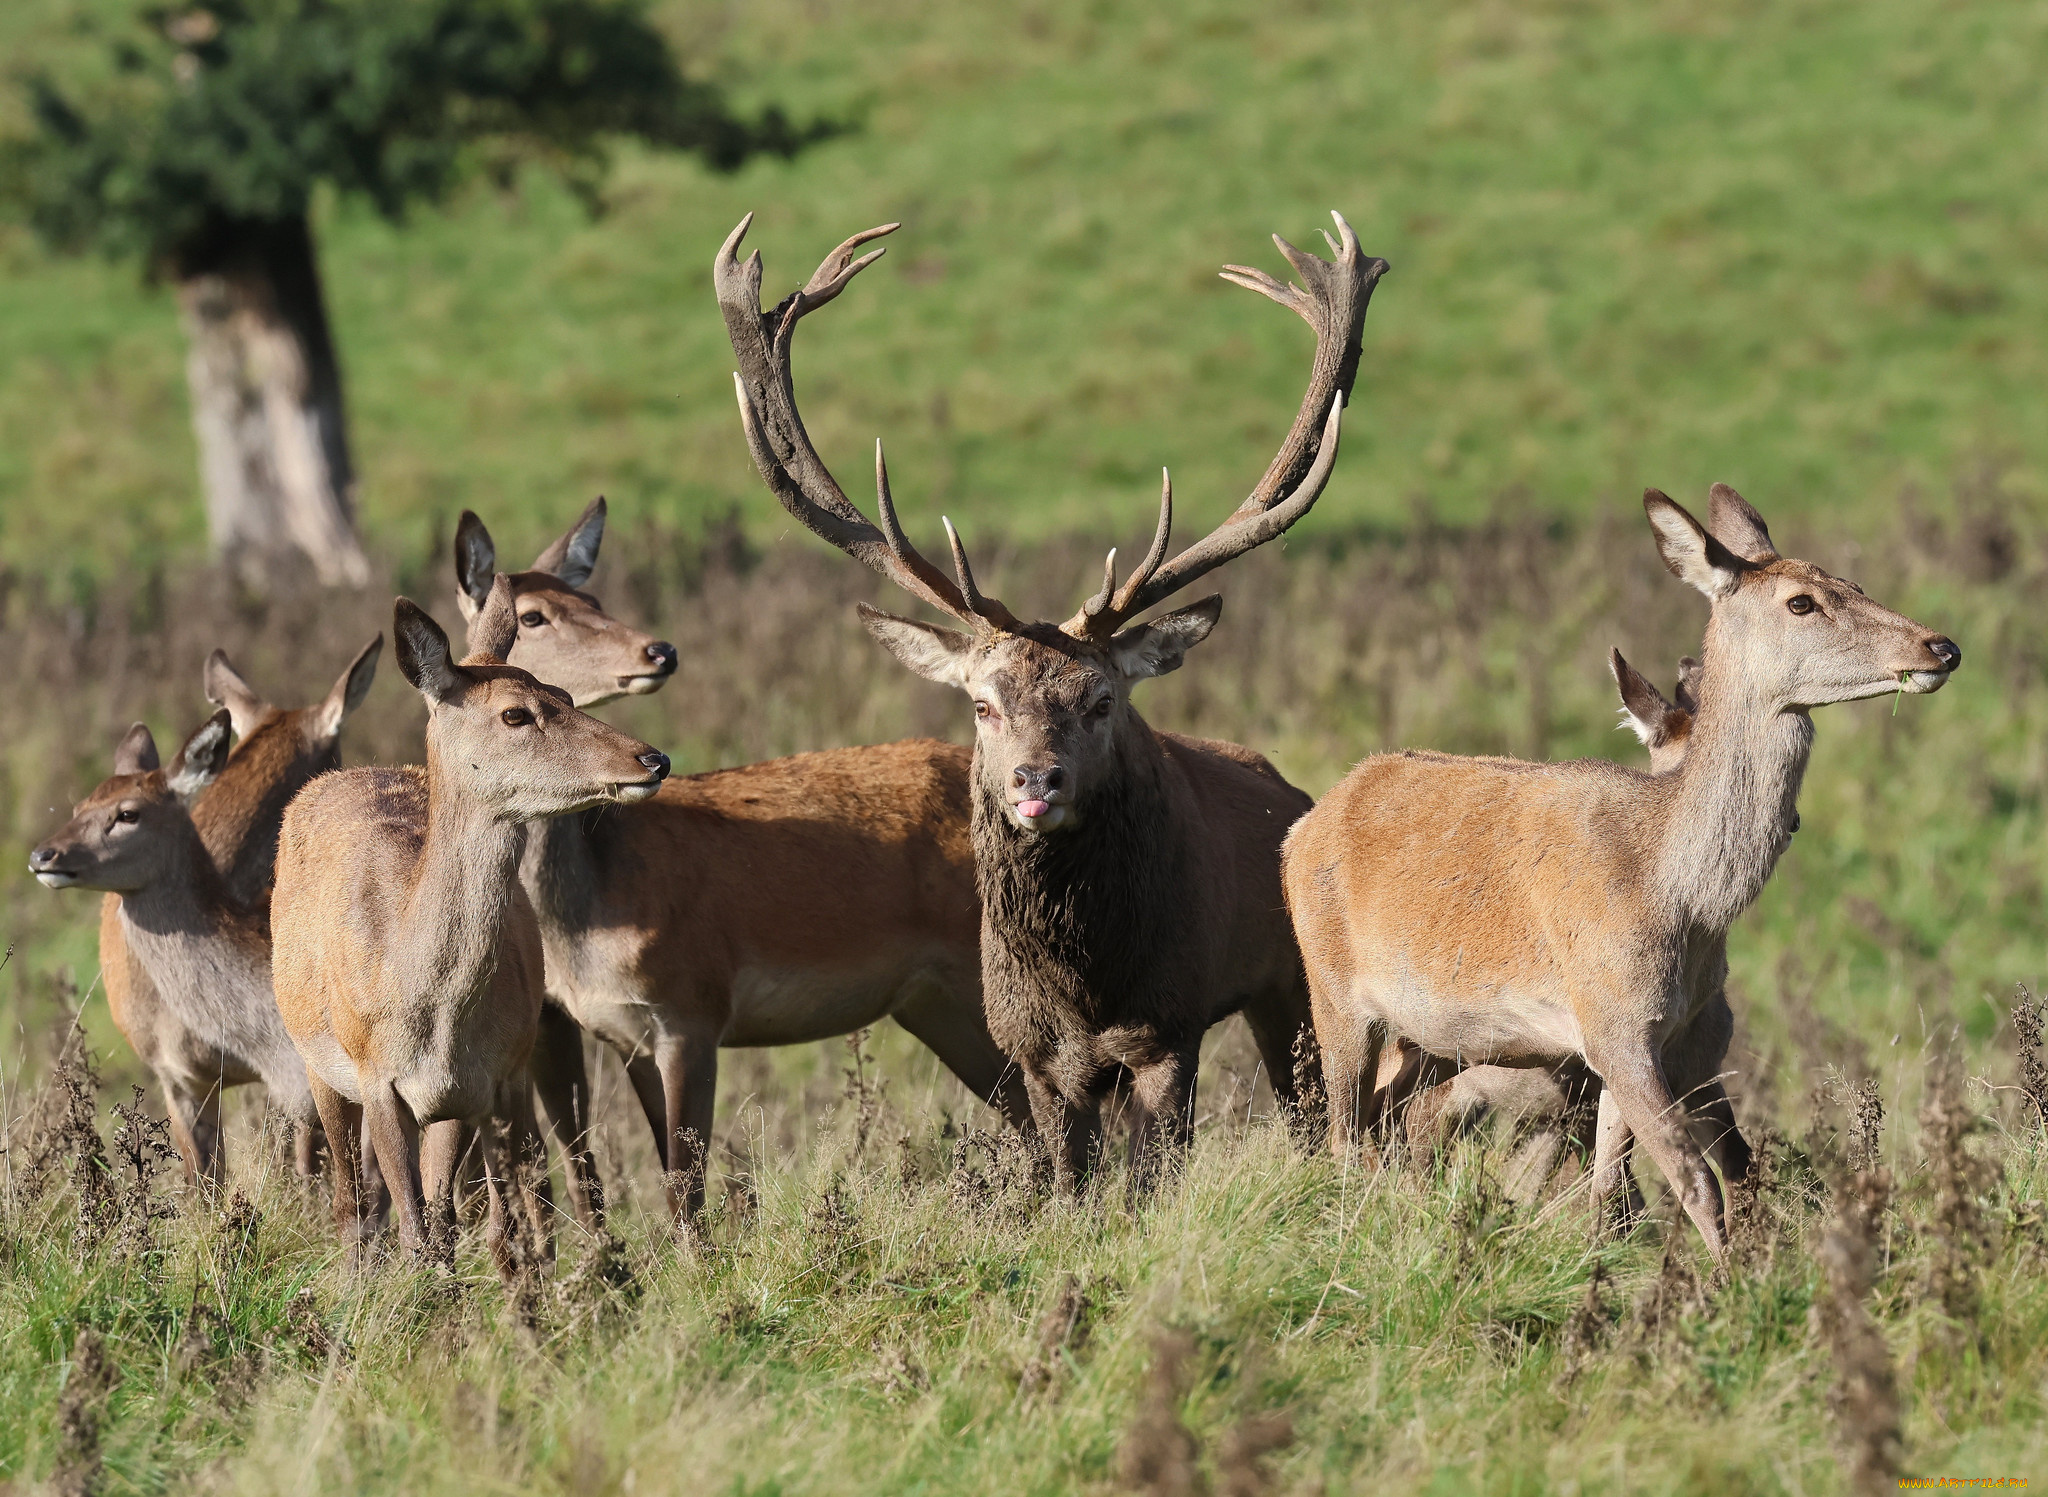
[1080,913]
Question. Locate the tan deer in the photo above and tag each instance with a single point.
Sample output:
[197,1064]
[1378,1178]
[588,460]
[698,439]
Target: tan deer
[236,817]
[1527,914]
[408,966]
[773,904]
[1551,1105]
[1129,879]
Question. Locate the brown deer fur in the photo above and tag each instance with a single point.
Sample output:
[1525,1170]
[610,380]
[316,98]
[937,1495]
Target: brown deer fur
[773,904]
[1527,914]
[408,965]
[1129,882]
[237,817]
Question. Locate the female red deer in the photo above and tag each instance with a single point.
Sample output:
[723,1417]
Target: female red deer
[1528,914]
[1129,879]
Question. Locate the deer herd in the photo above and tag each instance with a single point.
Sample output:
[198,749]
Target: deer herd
[408,958]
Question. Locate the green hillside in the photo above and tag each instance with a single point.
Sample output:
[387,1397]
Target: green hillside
[1798,247]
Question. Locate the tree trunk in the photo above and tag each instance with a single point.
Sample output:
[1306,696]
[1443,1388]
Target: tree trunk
[266,401]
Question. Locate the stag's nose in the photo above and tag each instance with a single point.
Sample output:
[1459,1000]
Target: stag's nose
[1946,650]
[1025,777]
[663,656]
[655,763]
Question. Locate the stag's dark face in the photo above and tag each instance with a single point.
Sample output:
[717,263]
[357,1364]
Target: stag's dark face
[1049,709]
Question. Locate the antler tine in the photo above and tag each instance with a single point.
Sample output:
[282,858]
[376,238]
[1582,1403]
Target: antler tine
[1157,552]
[781,448]
[980,604]
[1332,298]
[1100,600]
[1102,613]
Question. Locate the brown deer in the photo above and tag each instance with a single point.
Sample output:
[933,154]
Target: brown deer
[237,816]
[566,639]
[407,965]
[1528,914]
[207,952]
[773,904]
[1129,883]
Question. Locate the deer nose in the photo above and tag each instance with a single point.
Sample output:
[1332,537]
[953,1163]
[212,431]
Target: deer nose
[1946,650]
[42,859]
[654,763]
[1025,777]
[663,655]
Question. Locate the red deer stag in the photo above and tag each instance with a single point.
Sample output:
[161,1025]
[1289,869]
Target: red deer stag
[773,904]
[1530,914]
[408,965]
[1129,879]
[192,1047]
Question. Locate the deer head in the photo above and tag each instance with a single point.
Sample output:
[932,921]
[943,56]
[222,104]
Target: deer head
[1663,727]
[136,827]
[1052,701]
[318,726]
[565,637]
[517,747]
[1785,634]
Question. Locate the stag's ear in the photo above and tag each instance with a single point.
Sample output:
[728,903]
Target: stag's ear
[1643,706]
[574,557]
[476,562]
[1689,673]
[1153,649]
[349,691]
[136,752]
[201,760]
[1738,526]
[495,626]
[225,687]
[941,655]
[423,656]
[1693,556]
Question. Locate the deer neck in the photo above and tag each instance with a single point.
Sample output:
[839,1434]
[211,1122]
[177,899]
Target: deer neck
[1736,801]
[190,898]
[1080,911]
[463,893]
[559,871]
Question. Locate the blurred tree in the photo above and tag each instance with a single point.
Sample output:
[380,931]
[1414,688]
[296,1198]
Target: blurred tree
[199,145]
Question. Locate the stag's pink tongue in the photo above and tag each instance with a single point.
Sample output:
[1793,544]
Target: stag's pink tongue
[1031,810]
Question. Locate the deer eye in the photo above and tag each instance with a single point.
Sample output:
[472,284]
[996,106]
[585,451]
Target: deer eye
[532,620]
[1101,708]
[128,816]
[982,709]
[1801,604]
[515,717]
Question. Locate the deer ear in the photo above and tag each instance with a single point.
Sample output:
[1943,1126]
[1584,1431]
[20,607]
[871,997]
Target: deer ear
[1641,703]
[136,752]
[1738,526]
[1689,673]
[1155,648]
[496,625]
[201,760]
[1693,556]
[225,687]
[349,691]
[941,655]
[476,562]
[423,656]
[574,557]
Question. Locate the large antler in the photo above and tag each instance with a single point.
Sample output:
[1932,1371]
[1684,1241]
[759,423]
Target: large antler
[782,448]
[1331,299]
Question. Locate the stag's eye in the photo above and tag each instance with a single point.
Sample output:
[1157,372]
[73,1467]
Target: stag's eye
[1101,708]
[1801,604]
[983,709]
[515,717]
[532,620]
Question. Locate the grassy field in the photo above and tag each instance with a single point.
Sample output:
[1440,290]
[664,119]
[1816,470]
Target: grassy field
[1795,247]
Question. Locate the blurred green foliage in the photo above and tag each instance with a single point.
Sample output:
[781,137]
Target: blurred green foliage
[1796,247]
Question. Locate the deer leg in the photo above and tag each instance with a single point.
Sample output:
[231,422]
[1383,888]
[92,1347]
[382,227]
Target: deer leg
[1166,1101]
[1070,1130]
[395,1135]
[1642,1097]
[1351,1067]
[443,1148]
[645,1076]
[307,1139]
[535,1192]
[950,1024]
[1616,1200]
[1694,1065]
[194,1113]
[689,1087]
[1277,1021]
[561,1085]
[342,1121]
